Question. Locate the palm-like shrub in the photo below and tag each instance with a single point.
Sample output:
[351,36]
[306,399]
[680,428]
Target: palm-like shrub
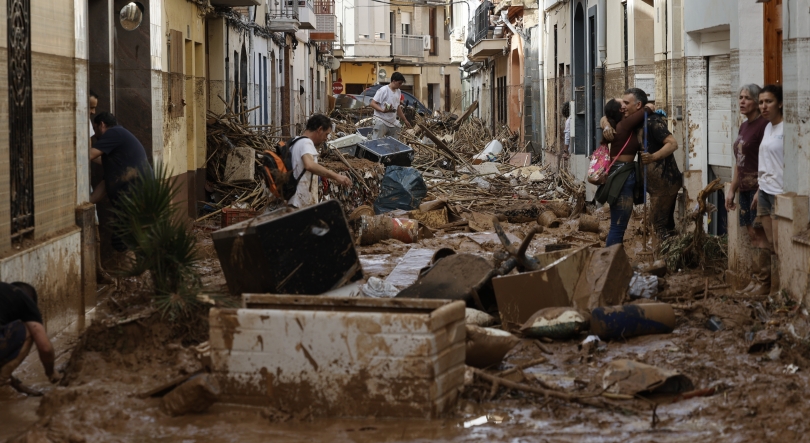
[148,222]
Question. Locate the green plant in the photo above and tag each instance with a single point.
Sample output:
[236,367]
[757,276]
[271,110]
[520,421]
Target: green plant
[148,222]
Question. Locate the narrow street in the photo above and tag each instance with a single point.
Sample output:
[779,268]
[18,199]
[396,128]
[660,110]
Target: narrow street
[399,221]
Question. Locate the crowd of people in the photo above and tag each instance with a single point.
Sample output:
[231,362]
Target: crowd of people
[630,123]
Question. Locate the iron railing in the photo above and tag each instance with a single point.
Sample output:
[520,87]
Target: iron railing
[283,9]
[21,116]
[407,45]
[479,26]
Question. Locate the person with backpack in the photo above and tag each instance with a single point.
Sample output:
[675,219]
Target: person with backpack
[304,162]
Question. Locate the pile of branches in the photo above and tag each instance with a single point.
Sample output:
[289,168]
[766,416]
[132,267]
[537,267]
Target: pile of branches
[693,248]
[225,133]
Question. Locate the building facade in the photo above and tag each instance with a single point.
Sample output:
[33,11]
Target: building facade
[503,66]
[378,39]
[43,154]
[691,57]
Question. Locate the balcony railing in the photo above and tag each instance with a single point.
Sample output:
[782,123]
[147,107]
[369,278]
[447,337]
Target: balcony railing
[407,45]
[324,6]
[479,26]
[282,16]
[325,28]
[306,14]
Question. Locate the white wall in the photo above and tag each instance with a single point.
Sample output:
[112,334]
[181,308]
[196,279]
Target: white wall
[707,14]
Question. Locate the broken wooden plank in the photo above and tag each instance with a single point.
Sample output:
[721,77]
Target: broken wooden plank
[466,115]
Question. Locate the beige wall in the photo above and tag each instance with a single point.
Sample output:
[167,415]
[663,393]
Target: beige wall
[54,123]
[184,148]
[52,262]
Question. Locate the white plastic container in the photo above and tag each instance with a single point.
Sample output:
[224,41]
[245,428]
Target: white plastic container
[492,148]
[341,356]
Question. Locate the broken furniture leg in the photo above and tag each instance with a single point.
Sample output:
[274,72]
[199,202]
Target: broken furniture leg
[519,257]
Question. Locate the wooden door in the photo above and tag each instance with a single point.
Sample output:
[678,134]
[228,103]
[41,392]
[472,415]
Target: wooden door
[772,13]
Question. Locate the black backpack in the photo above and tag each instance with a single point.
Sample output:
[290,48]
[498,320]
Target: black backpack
[278,170]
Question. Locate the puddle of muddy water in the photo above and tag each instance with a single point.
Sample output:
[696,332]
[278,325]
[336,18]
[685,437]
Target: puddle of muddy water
[759,401]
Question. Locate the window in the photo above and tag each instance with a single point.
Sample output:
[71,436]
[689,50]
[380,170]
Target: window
[405,22]
[432,25]
[20,119]
[500,92]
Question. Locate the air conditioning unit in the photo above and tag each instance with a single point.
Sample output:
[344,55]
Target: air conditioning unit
[381,35]
[426,42]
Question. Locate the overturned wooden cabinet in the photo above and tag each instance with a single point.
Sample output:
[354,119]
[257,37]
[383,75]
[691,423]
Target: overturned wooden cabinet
[335,356]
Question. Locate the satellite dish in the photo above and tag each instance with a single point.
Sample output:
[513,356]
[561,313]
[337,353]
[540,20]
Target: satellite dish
[334,64]
[382,74]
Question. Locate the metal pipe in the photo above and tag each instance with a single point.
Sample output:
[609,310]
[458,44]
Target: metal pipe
[542,87]
[601,38]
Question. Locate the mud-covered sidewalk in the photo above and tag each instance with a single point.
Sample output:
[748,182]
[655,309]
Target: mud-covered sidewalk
[116,368]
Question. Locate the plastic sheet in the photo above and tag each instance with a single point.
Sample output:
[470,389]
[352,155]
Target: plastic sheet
[401,188]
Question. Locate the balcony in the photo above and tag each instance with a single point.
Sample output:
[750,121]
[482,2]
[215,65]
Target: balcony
[479,25]
[410,46]
[325,21]
[480,41]
[306,14]
[282,16]
[232,3]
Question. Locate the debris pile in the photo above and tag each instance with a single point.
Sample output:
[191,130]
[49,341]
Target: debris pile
[233,174]
[366,177]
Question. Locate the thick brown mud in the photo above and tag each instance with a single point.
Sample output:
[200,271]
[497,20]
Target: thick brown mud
[114,365]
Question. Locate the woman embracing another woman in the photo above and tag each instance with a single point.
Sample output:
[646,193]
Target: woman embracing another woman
[619,188]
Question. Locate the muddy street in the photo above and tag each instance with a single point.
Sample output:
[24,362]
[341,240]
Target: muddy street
[115,371]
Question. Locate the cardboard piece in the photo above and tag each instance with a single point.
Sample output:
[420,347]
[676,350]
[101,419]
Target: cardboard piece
[630,377]
[432,219]
[605,280]
[240,165]
[519,296]
[407,270]
[487,168]
[521,159]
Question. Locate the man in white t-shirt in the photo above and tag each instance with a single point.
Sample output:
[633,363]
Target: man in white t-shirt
[386,108]
[305,162]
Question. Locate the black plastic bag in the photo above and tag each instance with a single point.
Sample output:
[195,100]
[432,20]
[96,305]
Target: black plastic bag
[401,188]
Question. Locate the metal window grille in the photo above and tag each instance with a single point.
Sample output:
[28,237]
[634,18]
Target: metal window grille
[21,116]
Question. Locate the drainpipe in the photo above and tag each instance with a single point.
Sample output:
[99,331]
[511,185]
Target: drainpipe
[601,45]
[601,39]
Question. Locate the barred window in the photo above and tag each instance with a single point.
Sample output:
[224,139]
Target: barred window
[21,116]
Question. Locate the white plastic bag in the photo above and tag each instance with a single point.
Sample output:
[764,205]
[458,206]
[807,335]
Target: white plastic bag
[377,288]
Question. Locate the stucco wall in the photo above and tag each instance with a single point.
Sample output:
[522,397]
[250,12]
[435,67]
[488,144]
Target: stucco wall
[707,14]
[53,267]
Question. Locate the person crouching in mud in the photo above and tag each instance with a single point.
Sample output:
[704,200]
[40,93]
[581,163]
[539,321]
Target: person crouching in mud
[620,190]
[20,328]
